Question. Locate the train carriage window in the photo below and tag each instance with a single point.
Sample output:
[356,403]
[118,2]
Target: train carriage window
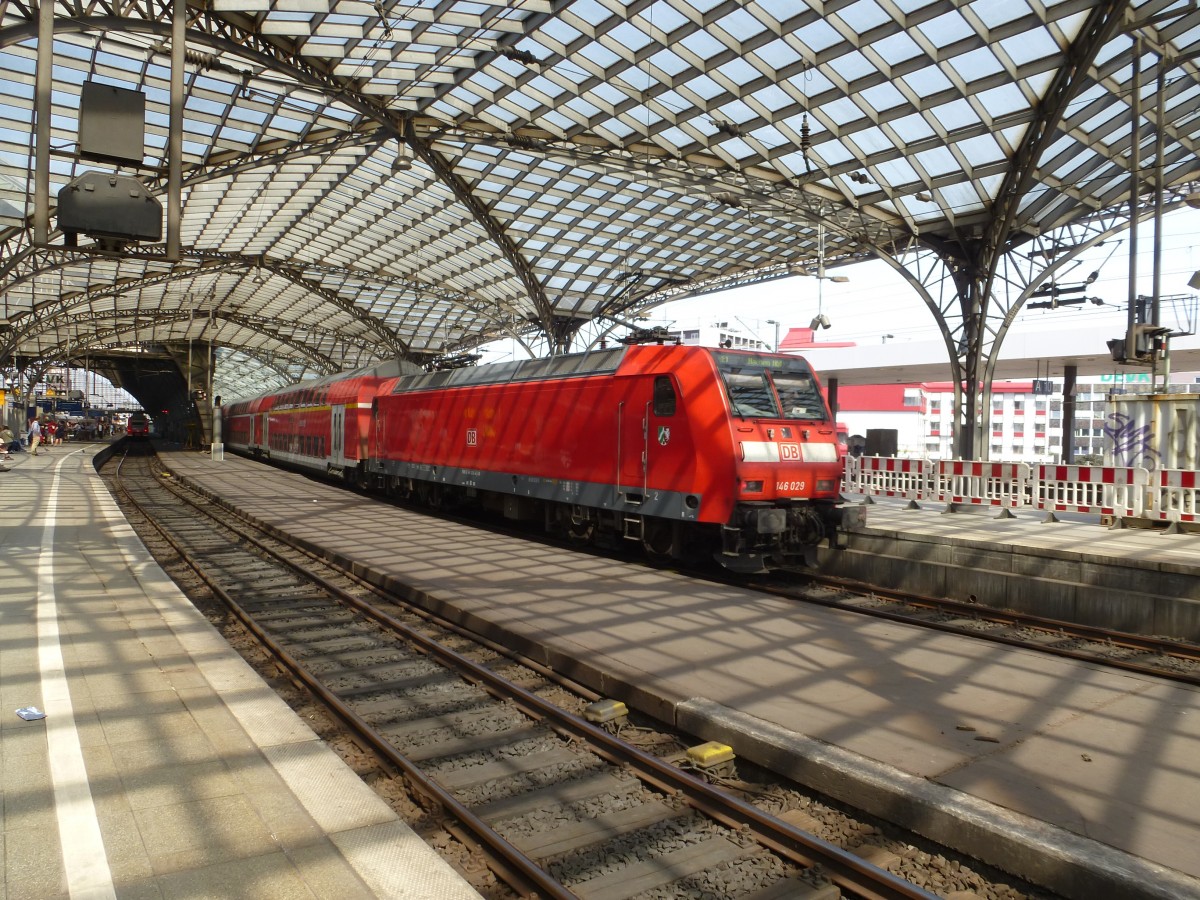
[664,396]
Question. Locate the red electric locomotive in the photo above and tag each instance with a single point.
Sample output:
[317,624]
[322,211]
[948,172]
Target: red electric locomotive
[687,450]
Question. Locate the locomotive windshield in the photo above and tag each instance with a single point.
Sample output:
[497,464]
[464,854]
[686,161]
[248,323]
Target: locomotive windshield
[751,395]
[771,387]
[799,395]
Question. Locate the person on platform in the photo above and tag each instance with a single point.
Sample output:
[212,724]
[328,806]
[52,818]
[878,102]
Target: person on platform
[8,441]
[35,436]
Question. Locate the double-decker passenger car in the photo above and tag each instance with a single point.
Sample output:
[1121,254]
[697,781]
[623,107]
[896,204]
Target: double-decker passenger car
[320,425]
[687,450]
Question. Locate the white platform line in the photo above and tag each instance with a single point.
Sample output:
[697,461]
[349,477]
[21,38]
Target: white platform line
[84,861]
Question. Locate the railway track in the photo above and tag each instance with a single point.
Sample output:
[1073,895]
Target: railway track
[1146,655]
[562,806]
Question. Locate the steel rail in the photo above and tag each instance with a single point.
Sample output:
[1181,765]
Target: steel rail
[533,876]
[845,869]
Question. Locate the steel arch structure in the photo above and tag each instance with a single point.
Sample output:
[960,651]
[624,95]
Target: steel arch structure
[425,179]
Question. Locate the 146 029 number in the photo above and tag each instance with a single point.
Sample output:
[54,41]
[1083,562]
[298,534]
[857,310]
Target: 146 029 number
[789,485]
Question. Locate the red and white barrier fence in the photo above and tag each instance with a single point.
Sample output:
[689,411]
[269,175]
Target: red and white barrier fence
[1167,495]
[888,476]
[982,483]
[1175,496]
[1106,490]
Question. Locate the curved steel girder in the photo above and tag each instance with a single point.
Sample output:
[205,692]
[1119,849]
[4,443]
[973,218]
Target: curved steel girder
[266,362]
[387,337]
[296,273]
[228,35]
[71,346]
[262,325]
[508,248]
[924,255]
[208,263]
[1102,23]
[259,325]
[1099,232]
[763,185]
[272,153]
[32,261]
[985,334]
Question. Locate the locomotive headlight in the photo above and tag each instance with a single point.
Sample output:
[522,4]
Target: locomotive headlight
[752,487]
[826,484]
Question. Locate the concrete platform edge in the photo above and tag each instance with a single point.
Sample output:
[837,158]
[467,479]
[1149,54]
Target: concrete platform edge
[373,841]
[1072,865]
[977,560]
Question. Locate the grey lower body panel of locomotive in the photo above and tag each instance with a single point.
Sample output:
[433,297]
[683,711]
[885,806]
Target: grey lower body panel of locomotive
[673,505]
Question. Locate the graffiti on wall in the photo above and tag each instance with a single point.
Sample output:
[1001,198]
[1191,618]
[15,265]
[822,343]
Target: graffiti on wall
[1132,445]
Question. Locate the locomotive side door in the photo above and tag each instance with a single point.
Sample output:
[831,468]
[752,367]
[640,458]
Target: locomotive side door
[262,438]
[632,436]
[660,423]
[337,428]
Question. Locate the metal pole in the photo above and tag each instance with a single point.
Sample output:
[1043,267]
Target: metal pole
[1135,162]
[1159,139]
[1070,377]
[175,131]
[42,111]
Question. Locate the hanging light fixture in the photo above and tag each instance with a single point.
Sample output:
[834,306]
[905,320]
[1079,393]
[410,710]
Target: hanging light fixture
[403,160]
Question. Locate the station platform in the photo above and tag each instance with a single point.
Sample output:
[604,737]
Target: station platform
[1081,779]
[164,766]
[1075,567]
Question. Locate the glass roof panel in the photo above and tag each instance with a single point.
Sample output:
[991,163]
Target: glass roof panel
[862,15]
[703,45]
[739,25]
[994,13]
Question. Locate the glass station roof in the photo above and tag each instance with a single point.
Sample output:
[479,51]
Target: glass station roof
[367,180]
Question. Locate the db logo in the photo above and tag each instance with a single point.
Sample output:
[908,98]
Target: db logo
[472,437]
[789,451]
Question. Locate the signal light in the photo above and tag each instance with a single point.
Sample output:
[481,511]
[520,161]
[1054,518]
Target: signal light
[1142,344]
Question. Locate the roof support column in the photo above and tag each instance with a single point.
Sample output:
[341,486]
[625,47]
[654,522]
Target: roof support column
[192,419]
[1070,376]
[41,112]
[175,131]
[972,393]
